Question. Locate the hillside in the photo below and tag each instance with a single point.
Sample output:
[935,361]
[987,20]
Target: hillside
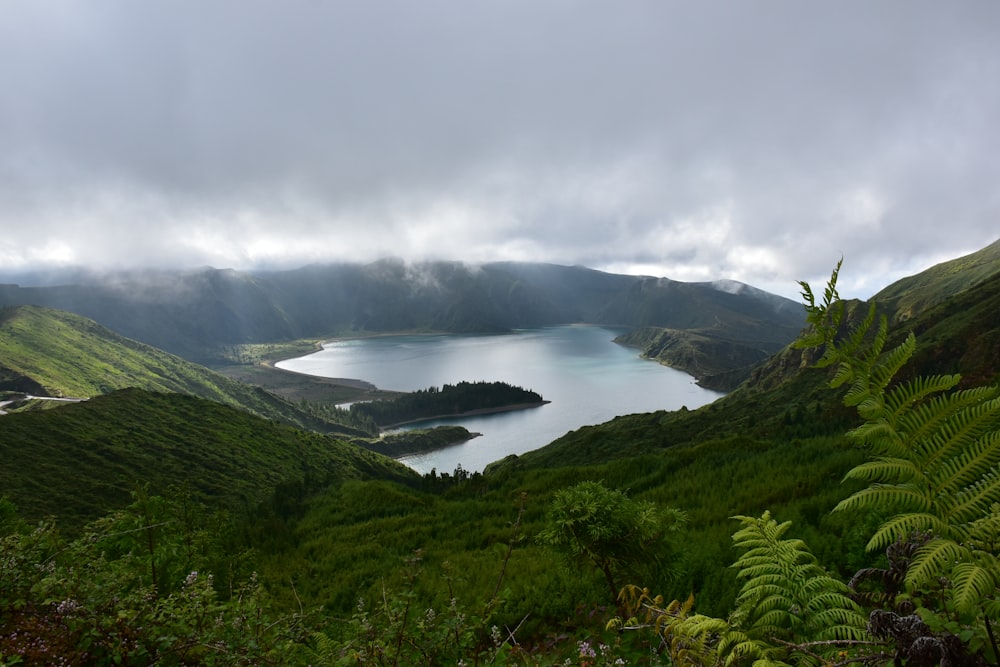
[82,460]
[909,296]
[197,313]
[54,353]
[354,528]
[956,326]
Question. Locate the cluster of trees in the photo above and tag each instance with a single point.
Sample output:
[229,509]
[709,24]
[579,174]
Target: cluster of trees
[449,400]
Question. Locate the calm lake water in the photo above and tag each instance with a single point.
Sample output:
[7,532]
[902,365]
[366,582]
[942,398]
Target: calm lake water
[588,379]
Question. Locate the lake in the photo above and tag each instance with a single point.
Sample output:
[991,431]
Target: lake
[588,378]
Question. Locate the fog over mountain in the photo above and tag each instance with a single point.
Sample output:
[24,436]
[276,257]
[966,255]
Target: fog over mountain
[755,142]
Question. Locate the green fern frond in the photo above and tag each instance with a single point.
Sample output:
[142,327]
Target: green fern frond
[736,648]
[902,397]
[936,557]
[785,593]
[972,584]
[855,345]
[895,497]
[843,375]
[885,470]
[884,368]
[902,525]
[963,476]
[935,458]
[881,438]
[973,503]
[937,427]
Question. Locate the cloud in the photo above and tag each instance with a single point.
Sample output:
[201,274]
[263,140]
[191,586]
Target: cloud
[757,142]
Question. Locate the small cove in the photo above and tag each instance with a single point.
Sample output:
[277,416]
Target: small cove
[587,378]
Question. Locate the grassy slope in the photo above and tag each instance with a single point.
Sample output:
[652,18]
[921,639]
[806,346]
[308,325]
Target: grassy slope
[911,295]
[81,460]
[69,355]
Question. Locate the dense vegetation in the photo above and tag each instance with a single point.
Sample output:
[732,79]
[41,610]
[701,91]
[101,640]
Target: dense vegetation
[401,443]
[448,401]
[77,462]
[512,566]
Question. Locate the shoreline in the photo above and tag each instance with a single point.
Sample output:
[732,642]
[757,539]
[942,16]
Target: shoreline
[468,413]
[354,383]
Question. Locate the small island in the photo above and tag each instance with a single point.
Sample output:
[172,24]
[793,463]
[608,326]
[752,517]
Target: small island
[417,441]
[458,400]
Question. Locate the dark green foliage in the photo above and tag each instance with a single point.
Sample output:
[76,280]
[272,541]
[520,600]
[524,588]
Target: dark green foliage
[80,461]
[610,531]
[933,468]
[400,443]
[149,584]
[786,593]
[448,401]
[716,361]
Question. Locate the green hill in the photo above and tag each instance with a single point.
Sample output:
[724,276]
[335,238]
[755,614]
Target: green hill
[80,461]
[55,353]
[909,296]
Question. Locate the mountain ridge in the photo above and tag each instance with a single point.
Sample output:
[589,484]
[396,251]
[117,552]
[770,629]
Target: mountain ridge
[195,313]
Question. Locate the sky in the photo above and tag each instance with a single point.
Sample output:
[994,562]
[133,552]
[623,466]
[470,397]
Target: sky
[754,141]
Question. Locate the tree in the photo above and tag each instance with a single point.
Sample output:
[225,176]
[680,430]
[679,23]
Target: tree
[606,528]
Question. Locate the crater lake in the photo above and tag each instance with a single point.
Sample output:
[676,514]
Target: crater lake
[587,378]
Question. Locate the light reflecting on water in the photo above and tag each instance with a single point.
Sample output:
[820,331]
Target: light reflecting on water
[588,379]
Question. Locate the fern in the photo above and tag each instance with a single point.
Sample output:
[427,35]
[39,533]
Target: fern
[786,594]
[935,452]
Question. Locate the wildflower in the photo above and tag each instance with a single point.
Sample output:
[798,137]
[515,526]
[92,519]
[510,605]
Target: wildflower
[67,606]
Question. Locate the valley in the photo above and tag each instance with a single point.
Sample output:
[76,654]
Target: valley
[132,497]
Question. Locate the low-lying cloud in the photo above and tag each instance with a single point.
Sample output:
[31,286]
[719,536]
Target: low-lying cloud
[758,142]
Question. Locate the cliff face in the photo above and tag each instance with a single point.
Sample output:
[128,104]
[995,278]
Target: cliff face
[715,362]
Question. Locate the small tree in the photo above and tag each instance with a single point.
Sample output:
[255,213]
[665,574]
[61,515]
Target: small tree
[606,528]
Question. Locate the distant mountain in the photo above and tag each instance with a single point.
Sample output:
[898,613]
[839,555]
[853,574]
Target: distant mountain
[55,353]
[195,313]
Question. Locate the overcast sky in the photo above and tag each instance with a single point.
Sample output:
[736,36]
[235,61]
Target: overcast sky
[753,140]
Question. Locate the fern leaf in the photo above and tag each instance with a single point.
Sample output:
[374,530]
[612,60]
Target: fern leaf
[973,503]
[885,470]
[899,526]
[902,397]
[895,497]
[885,369]
[934,559]
[938,427]
[972,584]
